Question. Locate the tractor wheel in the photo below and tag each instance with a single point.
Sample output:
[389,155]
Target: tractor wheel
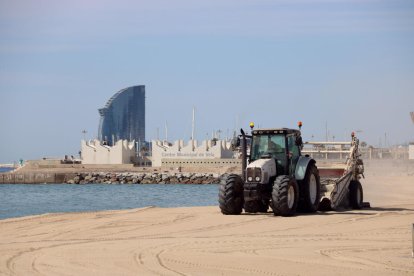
[310,190]
[356,195]
[231,195]
[256,206]
[285,196]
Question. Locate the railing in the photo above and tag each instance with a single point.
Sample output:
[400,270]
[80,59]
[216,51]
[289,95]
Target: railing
[340,150]
[327,150]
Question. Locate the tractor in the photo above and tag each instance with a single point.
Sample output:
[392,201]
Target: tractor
[279,176]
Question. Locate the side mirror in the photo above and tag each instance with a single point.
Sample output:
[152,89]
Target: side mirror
[298,141]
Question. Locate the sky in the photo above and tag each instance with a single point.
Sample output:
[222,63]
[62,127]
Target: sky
[344,64]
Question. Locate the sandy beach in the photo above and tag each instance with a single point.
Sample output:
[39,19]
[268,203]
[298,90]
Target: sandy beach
[202,241]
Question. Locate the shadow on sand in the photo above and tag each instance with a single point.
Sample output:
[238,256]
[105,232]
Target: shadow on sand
[363,212]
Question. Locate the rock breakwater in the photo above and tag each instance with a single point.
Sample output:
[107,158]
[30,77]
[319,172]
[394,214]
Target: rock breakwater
[146,178]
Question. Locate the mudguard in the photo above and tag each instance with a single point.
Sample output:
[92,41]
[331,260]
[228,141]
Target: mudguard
[301,167]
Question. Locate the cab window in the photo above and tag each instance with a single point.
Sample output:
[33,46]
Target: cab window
[273,145]
[270,145]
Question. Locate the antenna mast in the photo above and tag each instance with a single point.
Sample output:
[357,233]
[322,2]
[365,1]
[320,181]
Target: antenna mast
[193,125]
[192,130]
[166,131]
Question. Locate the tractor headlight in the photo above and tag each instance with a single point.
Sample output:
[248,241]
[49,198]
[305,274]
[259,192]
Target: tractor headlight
[257,178]
[250,179]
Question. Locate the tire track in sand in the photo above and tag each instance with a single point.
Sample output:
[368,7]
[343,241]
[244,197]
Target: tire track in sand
[338,253]
[151,260]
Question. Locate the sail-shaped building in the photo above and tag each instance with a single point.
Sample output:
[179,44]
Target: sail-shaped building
[123,117]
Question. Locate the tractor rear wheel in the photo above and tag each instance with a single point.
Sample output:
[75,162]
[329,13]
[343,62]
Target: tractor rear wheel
[310,190]
[356,195]
[231,195]
[285,196]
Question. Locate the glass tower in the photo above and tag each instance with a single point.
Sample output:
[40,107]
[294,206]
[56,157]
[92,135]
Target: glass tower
[123,116]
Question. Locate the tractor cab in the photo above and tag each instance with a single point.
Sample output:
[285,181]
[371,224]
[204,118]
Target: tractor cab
[282,144]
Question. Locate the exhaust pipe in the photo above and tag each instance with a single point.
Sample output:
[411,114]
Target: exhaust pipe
[244,155]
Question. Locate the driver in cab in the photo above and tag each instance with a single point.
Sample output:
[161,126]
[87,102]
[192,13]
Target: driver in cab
[273,148]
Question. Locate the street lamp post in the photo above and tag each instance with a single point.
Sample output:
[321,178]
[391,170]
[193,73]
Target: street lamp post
[84,134]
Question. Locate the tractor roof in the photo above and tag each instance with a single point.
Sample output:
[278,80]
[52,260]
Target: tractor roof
[264,131]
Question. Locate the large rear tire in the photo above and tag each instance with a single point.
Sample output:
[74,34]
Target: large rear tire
[285,196]
[356,195]
[231,195]
[310,190]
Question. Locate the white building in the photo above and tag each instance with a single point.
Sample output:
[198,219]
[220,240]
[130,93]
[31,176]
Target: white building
[94,152]
[411,151]
[163,151]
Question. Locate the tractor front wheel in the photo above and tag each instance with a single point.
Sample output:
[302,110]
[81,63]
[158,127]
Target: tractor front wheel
[285,196]
[231,195]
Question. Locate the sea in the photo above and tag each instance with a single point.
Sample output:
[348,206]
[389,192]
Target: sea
[5,169]
[18,200]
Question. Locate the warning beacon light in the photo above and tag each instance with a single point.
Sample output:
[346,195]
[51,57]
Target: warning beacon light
[251,125]
[300,124]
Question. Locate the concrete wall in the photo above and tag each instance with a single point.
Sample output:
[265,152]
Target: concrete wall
[35,178]
[163,151]
[411,152]
[93,152]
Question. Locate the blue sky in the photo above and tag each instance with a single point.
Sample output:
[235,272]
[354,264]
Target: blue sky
[347,63]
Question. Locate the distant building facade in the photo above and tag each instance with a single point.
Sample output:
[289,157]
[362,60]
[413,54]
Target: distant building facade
[123,117]
[208,153]
[94,152]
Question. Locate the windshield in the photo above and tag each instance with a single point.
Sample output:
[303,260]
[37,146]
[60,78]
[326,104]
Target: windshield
[273,145]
